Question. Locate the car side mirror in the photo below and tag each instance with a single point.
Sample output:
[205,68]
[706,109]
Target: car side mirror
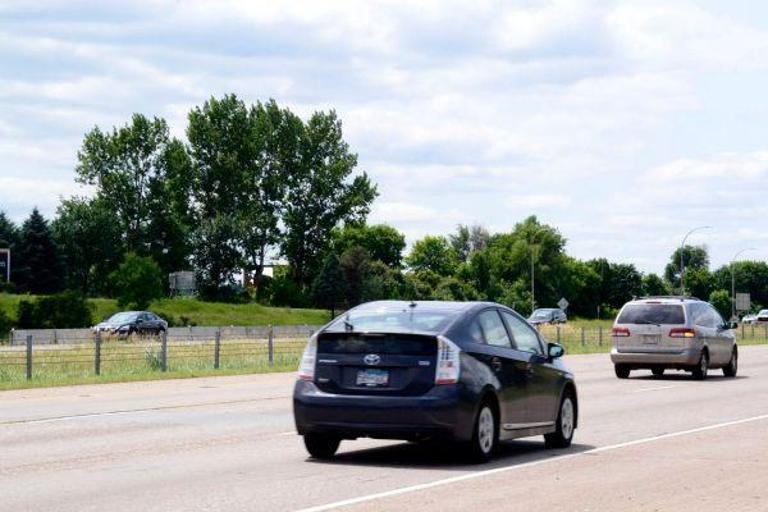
[555,350]
[732,325]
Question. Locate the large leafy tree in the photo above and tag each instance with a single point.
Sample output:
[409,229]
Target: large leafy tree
[749,276]
[40,269]
[434,254]
[329,286]
[89,238]
[322,193]
[695,257]
[383,243]
[142,175]
[137,281]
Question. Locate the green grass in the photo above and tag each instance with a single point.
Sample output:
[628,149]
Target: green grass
[198,312]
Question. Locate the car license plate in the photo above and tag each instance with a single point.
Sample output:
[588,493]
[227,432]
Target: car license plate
[372,377]
[651,339]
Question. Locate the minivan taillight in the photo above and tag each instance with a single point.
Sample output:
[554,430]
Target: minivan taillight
[307,365]
[448,362]
[620,332]
[679,332]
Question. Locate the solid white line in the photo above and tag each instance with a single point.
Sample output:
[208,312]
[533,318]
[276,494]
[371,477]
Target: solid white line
[655,388]
[480,474]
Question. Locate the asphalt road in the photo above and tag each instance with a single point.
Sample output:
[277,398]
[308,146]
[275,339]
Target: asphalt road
[228,444]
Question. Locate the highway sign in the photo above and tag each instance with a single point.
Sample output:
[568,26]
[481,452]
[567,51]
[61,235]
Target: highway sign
[563,304]
[743,302]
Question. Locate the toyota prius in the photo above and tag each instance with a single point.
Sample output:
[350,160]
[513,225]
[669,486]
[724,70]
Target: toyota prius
[468,373]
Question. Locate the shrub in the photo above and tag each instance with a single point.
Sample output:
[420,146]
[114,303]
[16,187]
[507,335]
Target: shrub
[137,282]
[721,300]
[5,324]
[66,310]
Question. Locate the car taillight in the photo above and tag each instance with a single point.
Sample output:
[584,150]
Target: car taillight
[307,365]
[682,333]
[620,332]
[448,362]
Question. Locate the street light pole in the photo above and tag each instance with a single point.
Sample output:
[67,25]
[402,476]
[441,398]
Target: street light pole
[682,261]
[733,281]
[533,293]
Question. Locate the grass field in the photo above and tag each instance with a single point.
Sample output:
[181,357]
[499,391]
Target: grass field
[198,312]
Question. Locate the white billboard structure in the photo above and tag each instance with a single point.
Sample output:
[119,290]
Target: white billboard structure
[182,283]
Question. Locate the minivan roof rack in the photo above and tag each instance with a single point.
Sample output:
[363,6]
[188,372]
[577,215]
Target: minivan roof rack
[680,297]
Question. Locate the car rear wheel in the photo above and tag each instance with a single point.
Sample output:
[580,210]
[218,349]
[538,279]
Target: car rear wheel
[565,425]
[622,371]
[658,372]
[702,369]
[733,365]
[486,434]
[321,446]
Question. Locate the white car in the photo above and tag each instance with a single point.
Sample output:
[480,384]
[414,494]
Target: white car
[749,319]
[762,316]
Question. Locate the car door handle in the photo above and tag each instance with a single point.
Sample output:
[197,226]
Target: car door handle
[496,364]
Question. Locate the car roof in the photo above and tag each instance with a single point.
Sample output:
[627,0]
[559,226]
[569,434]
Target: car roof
[422,305]
[665,300]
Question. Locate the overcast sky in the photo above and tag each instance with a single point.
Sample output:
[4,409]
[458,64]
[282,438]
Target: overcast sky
[624,124]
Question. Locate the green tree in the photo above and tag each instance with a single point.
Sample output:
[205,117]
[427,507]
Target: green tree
[137,281]
[355,264]
[721,300]
[750,277]
[654,285]
[216,256]
[694,258]
[9,239]
[468,240]
[698,282]
[329,285]
[38,261]
[432,253]
[89,238]
[321,194]
[142,176]
[383,243]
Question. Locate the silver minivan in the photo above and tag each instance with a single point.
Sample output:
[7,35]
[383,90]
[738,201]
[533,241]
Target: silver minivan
[680,333]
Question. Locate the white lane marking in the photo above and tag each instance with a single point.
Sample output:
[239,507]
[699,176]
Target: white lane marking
[480,474]
[655,388]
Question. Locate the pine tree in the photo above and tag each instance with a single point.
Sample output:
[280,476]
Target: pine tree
[39,265]
[329,285]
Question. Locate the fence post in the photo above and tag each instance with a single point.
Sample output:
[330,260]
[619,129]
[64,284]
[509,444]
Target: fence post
[753,330]
[558,334]
[216,349]
[742,331]
[583,337]
[765,332]
[271,347]
[164,352]
[97,354]
[29,357]
[600,336]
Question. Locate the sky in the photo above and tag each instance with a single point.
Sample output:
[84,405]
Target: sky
[623,124]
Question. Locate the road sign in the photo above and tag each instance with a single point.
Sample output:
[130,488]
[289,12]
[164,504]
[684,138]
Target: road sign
[743,302]
[5,265]
[562,304]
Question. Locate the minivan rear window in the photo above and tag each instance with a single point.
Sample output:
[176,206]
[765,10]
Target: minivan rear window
[665,314]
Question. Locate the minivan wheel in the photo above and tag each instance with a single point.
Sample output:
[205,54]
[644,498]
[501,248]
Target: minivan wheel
[701,370]
[486,434]
[622,371]
[321,446]
[733,365]
[565,425]
[657,372]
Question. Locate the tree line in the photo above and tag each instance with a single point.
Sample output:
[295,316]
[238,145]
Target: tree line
[254,184]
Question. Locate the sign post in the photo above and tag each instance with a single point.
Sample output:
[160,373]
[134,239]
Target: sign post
[5,265]
[563,304]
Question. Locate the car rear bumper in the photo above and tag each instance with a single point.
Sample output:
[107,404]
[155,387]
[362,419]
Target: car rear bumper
[671,358]
[442,412]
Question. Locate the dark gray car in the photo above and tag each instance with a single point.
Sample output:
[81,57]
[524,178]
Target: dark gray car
[660,333]
[547,316]
[125,323]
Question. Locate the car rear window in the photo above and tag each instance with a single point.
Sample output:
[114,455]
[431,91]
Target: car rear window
[394,321]
[666,314]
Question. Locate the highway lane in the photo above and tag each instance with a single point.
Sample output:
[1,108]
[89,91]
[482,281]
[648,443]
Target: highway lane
[228,444]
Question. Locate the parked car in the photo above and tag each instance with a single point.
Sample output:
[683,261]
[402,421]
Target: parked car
[749,319]
[660,333]
[762,316]
[548,316]
[467,372]
[125,323]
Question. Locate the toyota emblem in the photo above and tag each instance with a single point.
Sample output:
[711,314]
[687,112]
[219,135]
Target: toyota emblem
[372,359]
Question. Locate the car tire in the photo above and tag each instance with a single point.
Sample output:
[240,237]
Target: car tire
[702,369]
[321,446]
[485,435]
[657,372]
[565,424]
[733,365]
[622,371]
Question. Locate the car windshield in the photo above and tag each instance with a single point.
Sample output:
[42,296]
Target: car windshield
[542,313]
[122,317]
[763,312]
[393,320]
[665,314]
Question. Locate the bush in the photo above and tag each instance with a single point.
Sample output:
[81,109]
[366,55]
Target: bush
[286,292]
[721,300]
[137,282]
[5,323]
[66,310]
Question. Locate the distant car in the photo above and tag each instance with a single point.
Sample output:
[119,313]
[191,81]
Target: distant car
[470,372]
[762,316]
[659,333]
[132,322]
[548,316]
[749,319]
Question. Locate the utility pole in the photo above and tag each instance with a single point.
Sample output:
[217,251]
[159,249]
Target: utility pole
[682,252]
[533,270]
